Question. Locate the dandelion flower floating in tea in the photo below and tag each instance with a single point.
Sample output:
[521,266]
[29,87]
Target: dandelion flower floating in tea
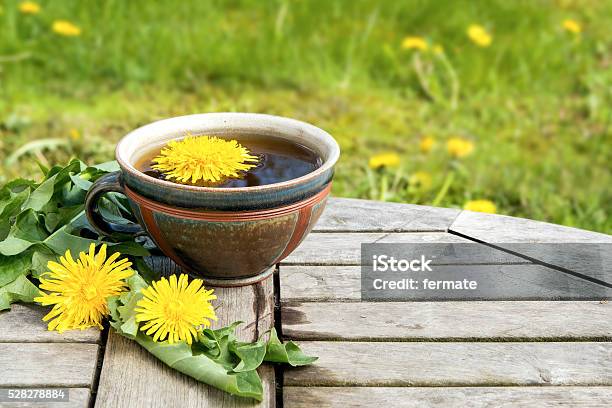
[205,158]
[175,309]
[79,289]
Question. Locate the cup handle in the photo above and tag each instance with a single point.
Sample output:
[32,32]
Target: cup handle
[109,183]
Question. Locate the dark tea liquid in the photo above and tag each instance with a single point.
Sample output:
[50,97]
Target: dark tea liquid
[279,160]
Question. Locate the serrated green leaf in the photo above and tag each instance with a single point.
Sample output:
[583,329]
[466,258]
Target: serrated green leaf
[62,174]
[20,290]
[223,331]
[180,357]
[41,195]
[114,320]
[29,226]
[52,220]
[44,169]
[128,248]
[61,240]
[145,271]
[5,228]
[126,311]
[11,206]
[19,184]
[108,167]
[251,355]
[40,259]
[80,182]
[288,353]
[13,266]
[13,246]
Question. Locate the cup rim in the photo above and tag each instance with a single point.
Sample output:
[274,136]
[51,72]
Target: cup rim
[178,123]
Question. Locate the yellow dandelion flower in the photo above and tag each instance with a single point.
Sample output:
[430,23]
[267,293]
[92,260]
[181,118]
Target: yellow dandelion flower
[174,309]
[479,35]
[485,206]
[459,147]
[74,134]
[66,28]
[438,49]
[29,7]
[426,144]
[384,160]
[206,158]
[414,43]
[572,26]
[421,180]
[79,289]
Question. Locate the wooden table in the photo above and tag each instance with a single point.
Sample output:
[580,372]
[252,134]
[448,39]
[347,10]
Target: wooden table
[545,352]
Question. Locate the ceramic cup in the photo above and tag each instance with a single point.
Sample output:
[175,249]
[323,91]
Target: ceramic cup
[228,236]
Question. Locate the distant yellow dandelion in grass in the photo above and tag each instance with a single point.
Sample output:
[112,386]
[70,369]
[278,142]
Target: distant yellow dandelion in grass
[421,180]
[438,49]
[384,160]
[65,28]
[29,7]
[414,43]
[78,290]
[479,35]
[459,147]
[206,158]
[485,206]
[572,26]
[74,134]
[426,144]
[175,309]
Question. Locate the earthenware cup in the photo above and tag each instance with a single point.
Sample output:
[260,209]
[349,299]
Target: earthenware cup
[228,236]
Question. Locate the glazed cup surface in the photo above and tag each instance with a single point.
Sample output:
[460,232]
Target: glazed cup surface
[229,234]
[147,138]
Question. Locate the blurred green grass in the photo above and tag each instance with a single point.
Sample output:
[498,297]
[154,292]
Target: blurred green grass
[536,103]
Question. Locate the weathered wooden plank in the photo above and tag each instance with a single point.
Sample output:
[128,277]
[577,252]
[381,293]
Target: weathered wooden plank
[311,283]
[454,364]
[345,248]
[47,364]
[495,282]
[447,397]
[583,252]
[501,228]
[131,374]
[351,215]
[77,398]
[388,321]
[132,377]
[23,324]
